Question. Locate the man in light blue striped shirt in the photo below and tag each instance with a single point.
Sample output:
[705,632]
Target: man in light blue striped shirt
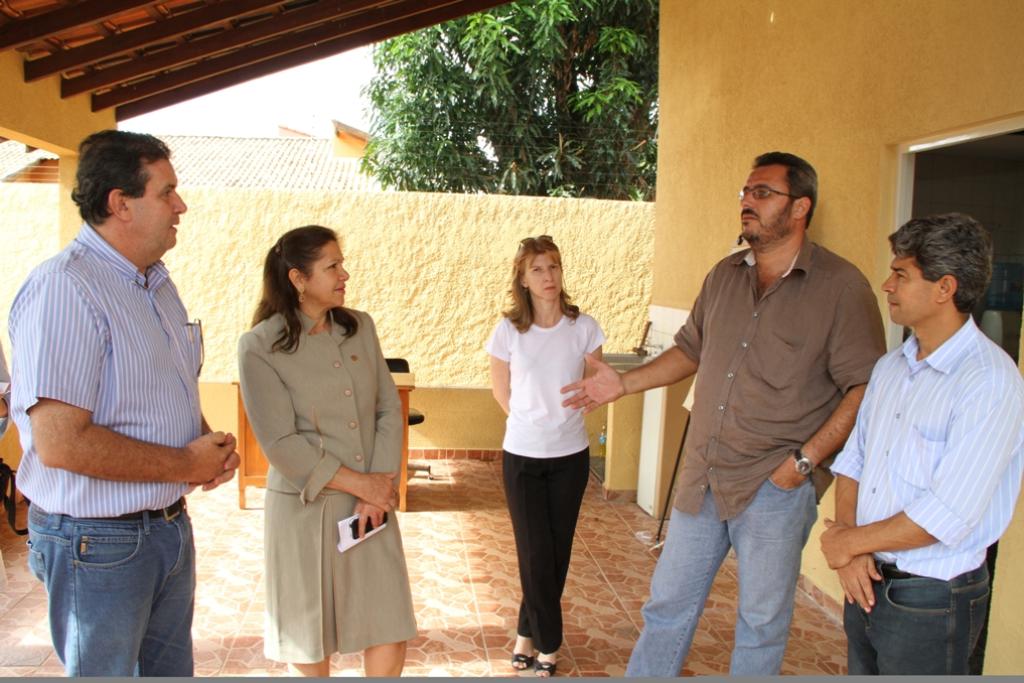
[106,399]
[931,473]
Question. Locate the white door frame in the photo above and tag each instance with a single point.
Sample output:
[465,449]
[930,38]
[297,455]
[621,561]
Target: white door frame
[905,177]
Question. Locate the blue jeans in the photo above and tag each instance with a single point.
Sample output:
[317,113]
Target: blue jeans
[768,536]
[120,592]
[919,626]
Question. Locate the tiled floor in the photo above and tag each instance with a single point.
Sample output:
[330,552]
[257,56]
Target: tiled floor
[465,586]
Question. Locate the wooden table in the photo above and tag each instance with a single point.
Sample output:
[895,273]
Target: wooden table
[252,471]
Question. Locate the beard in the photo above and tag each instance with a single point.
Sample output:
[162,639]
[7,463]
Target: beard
[771,231]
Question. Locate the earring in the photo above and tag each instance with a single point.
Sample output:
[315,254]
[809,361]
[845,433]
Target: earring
[302,296]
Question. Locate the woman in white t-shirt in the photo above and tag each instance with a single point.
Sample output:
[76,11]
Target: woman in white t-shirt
[536,349]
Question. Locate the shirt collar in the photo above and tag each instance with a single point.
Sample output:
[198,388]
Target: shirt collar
[335,330]
[950,353]
[802,260]
[154,276]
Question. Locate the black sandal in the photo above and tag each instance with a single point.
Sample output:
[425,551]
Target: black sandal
[521,662]
[545,669]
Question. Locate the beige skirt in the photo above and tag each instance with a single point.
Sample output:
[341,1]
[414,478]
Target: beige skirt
[320,601]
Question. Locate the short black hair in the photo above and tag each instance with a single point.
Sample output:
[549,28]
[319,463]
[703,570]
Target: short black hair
[110,160]
[949,244]
[801,176]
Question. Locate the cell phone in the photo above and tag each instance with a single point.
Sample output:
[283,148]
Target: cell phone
[354,526]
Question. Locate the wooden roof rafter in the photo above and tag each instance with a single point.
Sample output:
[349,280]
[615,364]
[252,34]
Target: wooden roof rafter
[19,33]
[171,28]
[141,55]
[273,55]
[190,51]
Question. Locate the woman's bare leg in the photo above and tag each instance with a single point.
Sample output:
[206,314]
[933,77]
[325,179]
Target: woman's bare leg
[384,660]
[317,670]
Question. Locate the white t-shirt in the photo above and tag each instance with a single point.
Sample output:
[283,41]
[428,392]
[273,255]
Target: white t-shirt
[541,362]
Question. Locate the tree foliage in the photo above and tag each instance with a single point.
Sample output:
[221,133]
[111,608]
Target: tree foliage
[538,97]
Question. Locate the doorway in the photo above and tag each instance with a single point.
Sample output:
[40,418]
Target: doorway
[981,177]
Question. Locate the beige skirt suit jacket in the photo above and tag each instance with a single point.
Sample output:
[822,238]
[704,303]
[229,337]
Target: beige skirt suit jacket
[329,403]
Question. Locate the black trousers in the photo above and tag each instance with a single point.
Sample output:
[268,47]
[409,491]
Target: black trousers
[544,497]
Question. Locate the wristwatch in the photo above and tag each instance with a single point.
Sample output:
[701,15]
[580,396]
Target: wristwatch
[803,464]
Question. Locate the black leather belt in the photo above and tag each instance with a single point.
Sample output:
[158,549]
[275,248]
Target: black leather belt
[168,513]
[889,571]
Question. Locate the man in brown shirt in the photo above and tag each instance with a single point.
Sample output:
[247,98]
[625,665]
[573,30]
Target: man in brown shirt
[783,338]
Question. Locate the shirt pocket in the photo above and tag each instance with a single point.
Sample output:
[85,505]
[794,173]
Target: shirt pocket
[917,459]
[776,360]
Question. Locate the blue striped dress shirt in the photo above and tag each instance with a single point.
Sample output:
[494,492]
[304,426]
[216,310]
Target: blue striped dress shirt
[88,329]
[941,439]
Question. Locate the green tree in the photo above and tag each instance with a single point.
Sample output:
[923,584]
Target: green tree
[537,97]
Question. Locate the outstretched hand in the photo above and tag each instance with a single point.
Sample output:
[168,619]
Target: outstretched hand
[601,384]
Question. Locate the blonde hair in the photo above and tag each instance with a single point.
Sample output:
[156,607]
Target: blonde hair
[520,314]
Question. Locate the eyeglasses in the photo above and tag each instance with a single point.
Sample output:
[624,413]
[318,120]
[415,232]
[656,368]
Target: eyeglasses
[760,192]
[538,238]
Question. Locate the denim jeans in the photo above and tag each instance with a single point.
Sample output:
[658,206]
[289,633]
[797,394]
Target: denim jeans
[120,592]
[768,537]
[919,626]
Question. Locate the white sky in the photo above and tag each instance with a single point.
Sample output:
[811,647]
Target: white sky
[305,98]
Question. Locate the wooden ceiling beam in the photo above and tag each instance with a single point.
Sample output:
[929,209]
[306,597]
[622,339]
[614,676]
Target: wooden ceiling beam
[25,31]
[156,32]
[192,51]
[285,44]
[347,40]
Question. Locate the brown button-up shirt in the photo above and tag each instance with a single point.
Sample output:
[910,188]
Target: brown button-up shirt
[770,370]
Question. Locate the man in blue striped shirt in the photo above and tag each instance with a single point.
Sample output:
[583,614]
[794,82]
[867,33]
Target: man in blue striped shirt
[106,400]
[931,473]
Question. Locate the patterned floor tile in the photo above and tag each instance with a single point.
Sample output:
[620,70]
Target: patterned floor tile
[465,577]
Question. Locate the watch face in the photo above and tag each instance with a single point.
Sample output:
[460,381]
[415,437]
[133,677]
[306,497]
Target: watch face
[803,466]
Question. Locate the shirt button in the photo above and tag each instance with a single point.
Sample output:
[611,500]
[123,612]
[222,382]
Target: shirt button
[872,489]
[897,416]
[731,375]
[354,357]
[353,424]
[348,392]
[721,407]
[359,457]
[703,488]
[744,344]
[337,363]
[756,314]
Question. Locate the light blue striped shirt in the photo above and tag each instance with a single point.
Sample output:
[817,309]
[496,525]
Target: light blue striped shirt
[89,330]
[941,439]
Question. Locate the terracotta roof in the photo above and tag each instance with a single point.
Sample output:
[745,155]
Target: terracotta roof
[280,163]
[272,163]
[14,158]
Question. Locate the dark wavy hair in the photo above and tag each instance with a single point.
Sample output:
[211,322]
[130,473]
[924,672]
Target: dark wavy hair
[949,244]
[300,249]
[521,312]
[113,160]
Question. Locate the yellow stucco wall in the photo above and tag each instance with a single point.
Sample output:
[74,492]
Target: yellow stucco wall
[34,113]
[843,84]
[432,269]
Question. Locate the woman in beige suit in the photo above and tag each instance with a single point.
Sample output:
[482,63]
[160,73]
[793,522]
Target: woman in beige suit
[326,412]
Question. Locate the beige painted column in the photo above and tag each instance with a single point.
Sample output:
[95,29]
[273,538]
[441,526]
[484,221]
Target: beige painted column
[35,114]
